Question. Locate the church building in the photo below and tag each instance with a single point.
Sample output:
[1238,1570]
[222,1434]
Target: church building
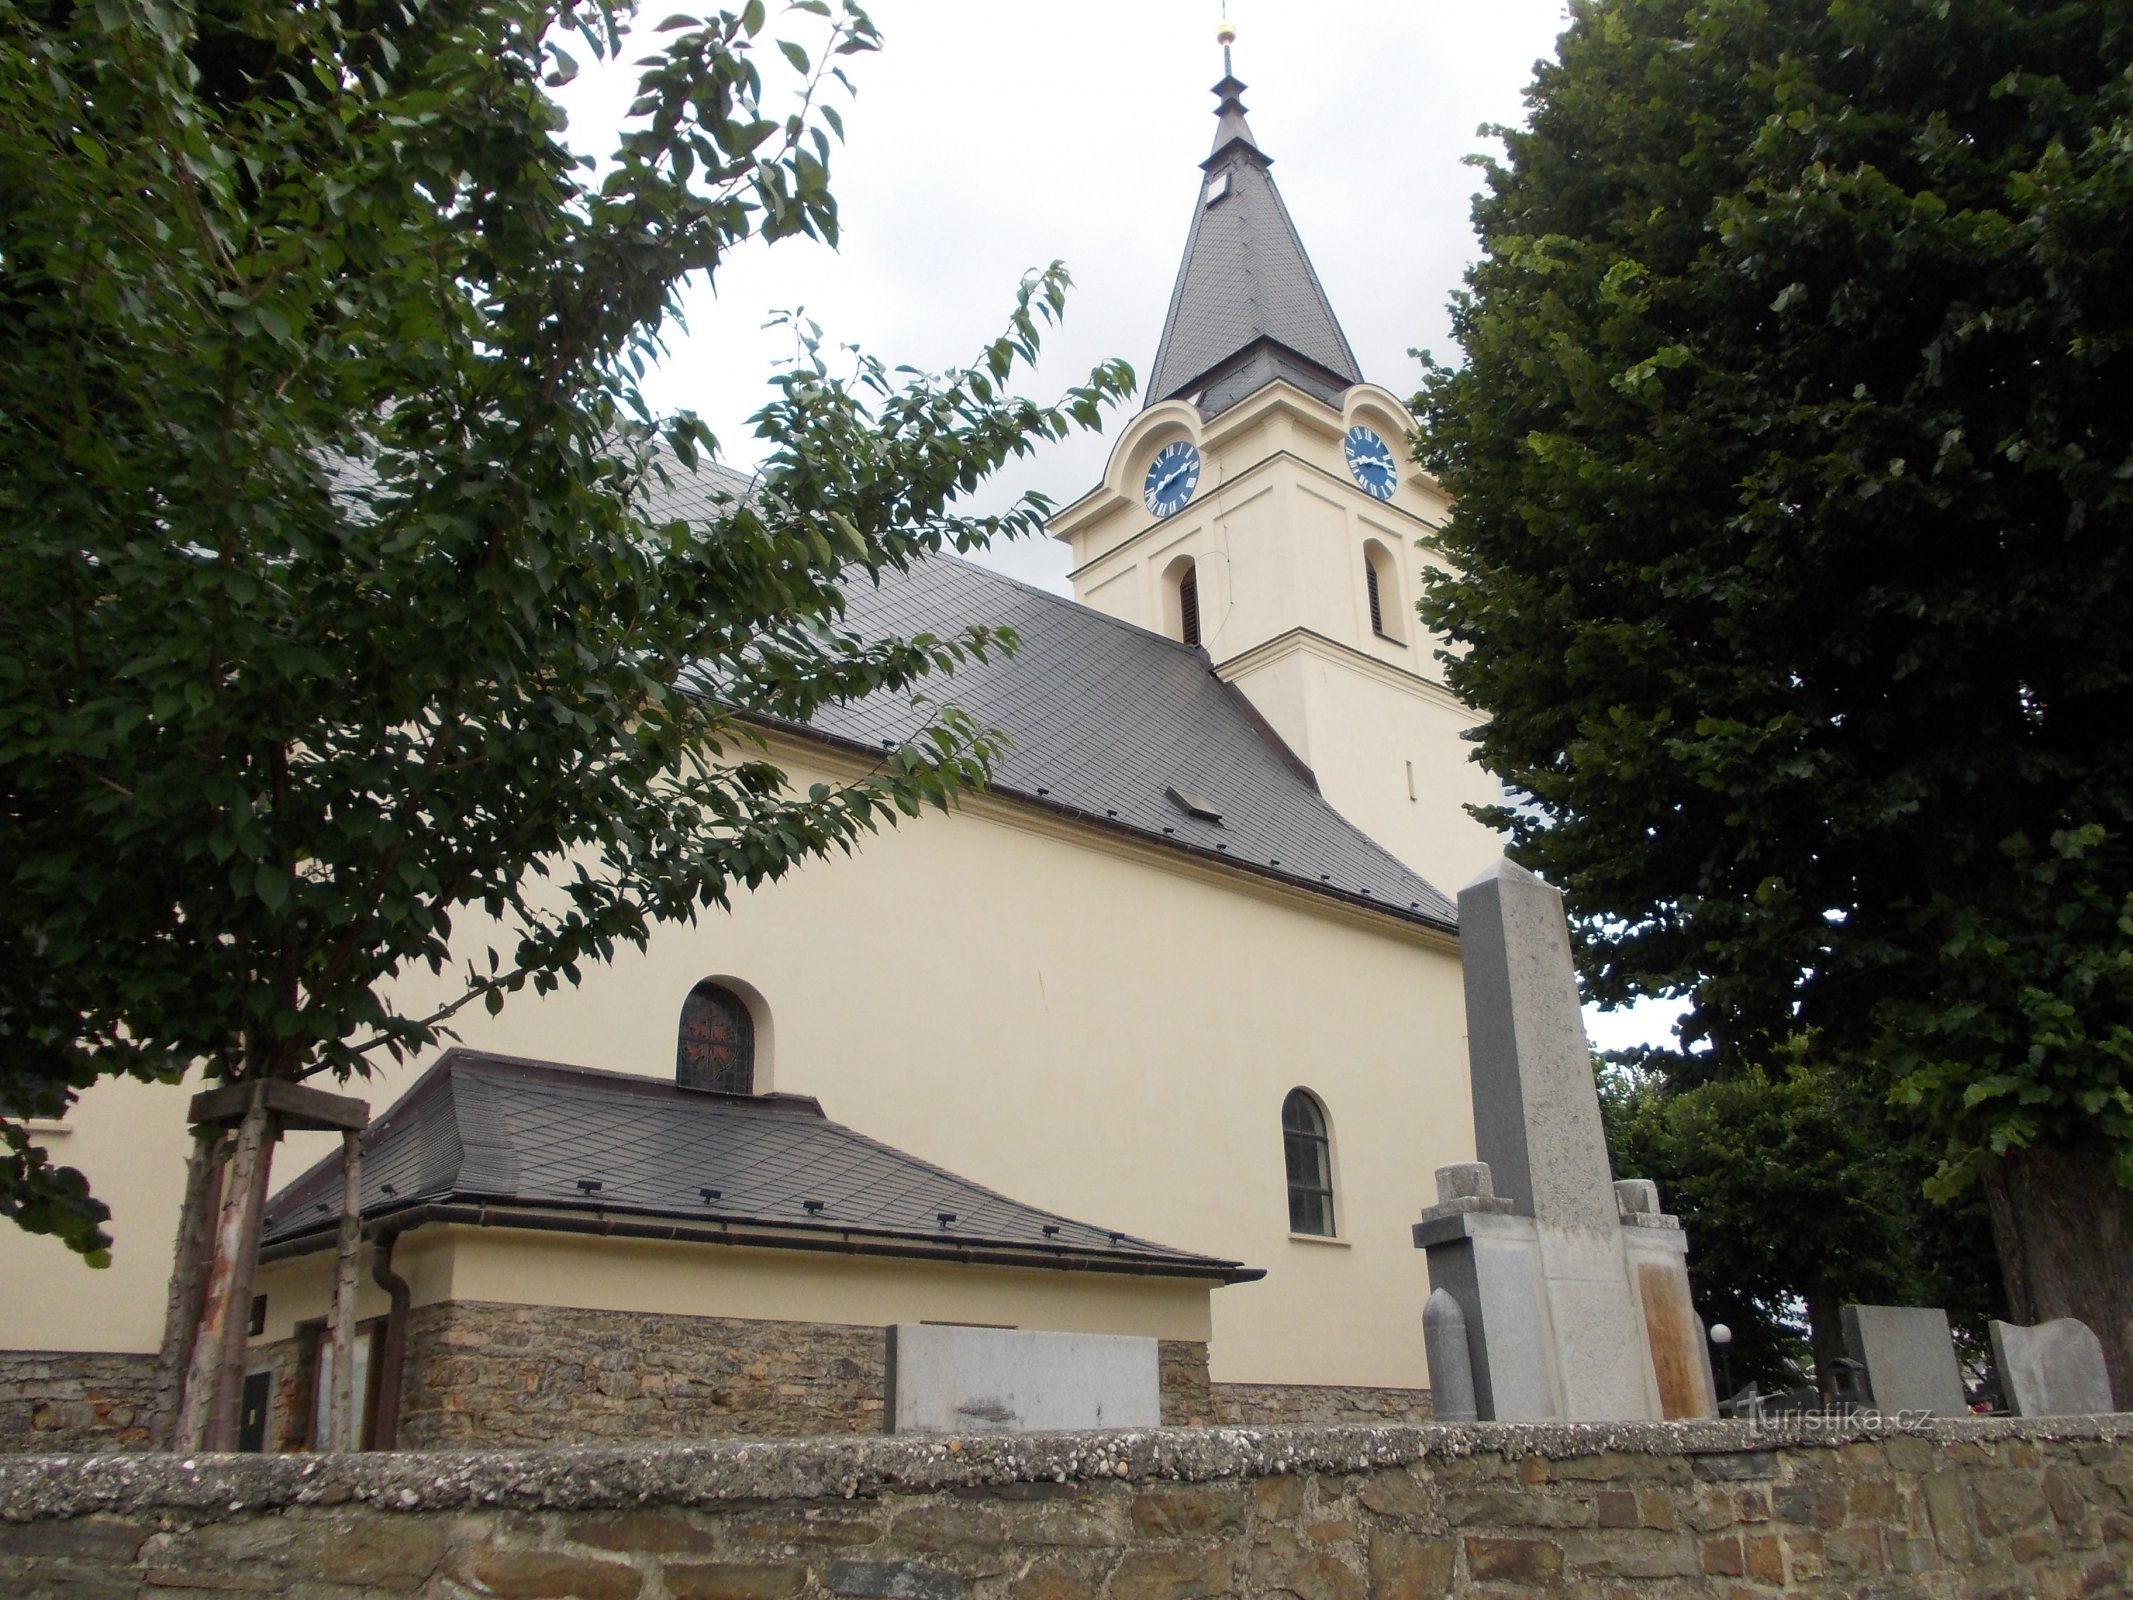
[1162,1034]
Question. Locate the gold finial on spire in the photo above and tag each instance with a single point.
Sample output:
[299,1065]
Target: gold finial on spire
[1225,36]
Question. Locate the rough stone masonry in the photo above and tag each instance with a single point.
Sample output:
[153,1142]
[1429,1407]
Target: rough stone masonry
[1968,1508]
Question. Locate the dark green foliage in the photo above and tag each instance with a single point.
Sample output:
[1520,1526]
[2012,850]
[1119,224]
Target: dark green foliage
[1793,460]
[1799,1191]
[330,603]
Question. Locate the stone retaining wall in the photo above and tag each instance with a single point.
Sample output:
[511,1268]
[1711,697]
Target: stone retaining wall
[53,1400]
[1311,1405]
[484,1376]
[1962,1509]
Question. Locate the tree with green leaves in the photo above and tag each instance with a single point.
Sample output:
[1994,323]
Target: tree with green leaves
[334,600]
[1800,1189]
[1793,459]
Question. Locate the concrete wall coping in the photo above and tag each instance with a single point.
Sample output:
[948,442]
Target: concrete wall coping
[209,1487]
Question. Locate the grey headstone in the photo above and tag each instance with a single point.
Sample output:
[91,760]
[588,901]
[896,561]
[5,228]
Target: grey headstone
[1537,1125]
[1909,1358]
[1536,1113]
[2054,1369]
[1016,1380]
[1451,1364]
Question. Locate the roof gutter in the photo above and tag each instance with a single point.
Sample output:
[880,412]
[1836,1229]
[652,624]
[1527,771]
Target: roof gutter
[391,1224]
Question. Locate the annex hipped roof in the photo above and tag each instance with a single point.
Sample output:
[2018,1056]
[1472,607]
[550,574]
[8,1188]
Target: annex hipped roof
[521,1140]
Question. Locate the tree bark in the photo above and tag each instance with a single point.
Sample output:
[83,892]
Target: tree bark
[345,1426]
[214,1380]
[2063,1228]
[188,1280]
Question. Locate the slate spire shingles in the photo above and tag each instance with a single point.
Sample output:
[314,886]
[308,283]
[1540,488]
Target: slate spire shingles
[1248,306]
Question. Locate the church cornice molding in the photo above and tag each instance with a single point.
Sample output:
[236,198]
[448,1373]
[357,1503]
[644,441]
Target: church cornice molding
[1281,397]
[1307,641]
[1074,826]
[1245,480]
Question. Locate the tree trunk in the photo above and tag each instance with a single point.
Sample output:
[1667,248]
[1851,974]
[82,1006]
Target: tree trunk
[2063,1228]
[188,1279]
[214,1381]
[344,1430]
[1825,1336]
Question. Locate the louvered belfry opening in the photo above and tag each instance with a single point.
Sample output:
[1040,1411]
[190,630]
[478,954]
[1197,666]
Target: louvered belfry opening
[1377,605]
[1189,605]
[716,1050]
[1309,1154]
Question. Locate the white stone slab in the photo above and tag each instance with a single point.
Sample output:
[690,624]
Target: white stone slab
[2054,1369]
[1600,1352]
[1016,1380]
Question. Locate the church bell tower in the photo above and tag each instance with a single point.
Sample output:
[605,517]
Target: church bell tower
[1263,508]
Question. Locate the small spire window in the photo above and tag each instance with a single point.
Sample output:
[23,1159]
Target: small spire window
[1181,599]
[1381,583]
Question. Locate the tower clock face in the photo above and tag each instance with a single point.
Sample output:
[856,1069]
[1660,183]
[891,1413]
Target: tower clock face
[1172,477]
[1370,460]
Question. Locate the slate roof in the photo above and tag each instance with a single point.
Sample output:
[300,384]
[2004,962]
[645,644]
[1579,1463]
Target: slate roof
[1247,306]
[519,1138]
[1106,719]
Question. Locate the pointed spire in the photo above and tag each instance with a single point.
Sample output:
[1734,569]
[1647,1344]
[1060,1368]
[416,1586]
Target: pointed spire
[1230,123]
[1248,307]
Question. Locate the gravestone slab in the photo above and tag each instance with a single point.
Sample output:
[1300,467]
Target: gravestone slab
[1016,1380]
[2054,1369]
[1536,1115]
[1908,1357]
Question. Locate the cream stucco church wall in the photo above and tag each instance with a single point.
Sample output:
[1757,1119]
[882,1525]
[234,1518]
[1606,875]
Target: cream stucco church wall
[1084,1022]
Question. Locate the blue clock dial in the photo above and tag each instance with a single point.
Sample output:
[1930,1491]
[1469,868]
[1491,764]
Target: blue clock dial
[1172,477]
[1370,460]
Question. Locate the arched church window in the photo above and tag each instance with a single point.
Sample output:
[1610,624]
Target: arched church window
[1181,580]
[717,1046]
[1308,1151]
[1383,586]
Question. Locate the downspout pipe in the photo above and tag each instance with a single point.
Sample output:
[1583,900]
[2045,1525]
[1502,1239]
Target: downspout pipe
[385,1393]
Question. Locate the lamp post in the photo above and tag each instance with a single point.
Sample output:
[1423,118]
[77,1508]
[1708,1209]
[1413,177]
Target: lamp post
[1722,1336]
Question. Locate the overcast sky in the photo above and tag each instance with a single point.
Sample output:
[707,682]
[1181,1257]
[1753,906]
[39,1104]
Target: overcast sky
[989,137]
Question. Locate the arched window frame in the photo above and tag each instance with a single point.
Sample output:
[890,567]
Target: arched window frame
[1381,585]
[721,1000]
[1181,586]
[1307,1160]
